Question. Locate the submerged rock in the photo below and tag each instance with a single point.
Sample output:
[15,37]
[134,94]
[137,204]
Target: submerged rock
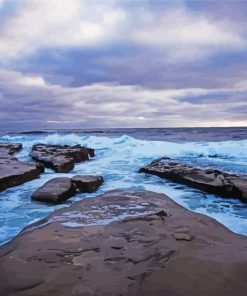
[209,180]
[12,171]
[60,158]
[55,191]
[87,183]
[165,250]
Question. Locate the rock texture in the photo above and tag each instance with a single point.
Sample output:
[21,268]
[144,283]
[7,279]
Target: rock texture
[12,171]
[60,158]
[209,180]
[56,190]
[87,183]
[165,250]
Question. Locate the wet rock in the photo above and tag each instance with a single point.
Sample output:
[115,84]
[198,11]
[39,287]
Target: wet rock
[56,190]
[87,183]
[135,256]
[12,171]
[209,180]
[60,158]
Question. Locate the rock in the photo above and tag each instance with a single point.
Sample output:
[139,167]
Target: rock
[87,183]
[60,158]
[135,256]
[208,180]
[10,148]
[12,171]
[55,191]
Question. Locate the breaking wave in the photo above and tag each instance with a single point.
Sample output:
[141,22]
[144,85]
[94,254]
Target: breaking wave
[141,148]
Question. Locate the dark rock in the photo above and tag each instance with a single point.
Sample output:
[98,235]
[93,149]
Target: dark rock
[12,171]
[87,183]
[60,158]
[137,256]
[55,191]
[209,180]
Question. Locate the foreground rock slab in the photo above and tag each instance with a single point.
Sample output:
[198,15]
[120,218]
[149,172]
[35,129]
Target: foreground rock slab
[87,183]
[12,171]
[56,190]
[60,158]
[209,180]
[165,250]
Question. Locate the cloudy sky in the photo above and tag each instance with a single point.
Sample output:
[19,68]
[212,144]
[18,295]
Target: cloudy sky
[115,63]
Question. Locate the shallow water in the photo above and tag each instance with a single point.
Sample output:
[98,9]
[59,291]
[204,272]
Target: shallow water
[118,159]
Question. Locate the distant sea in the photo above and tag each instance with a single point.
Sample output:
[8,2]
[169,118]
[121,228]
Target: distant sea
[152,134]
[119,155]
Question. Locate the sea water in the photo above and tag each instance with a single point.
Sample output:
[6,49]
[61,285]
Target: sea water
[119,156]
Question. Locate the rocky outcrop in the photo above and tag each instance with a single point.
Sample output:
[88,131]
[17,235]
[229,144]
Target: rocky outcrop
[60,158]
[164,250]
[87,183]
[209,180]
[12,171]
[56,190]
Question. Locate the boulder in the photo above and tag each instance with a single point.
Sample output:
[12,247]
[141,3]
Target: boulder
[56,191]
[60,158]
[87,183]
[163,249]
[209,180]
[14,172]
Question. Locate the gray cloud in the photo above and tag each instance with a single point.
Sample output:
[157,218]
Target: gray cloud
[120,63]
[32,100]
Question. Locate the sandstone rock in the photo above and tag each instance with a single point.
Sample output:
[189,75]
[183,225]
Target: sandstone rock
[60,158]
[209,180]
[12,171]
[135,256]
[55,191]
[87,183]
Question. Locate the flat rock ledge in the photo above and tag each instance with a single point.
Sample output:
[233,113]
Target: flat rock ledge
[163,249]
[60,158]
[58,190]
[12,171]
[208,180]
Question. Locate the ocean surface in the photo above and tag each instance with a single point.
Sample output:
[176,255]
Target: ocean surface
[119,155]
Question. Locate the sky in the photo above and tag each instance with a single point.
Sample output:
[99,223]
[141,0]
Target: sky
[121,63]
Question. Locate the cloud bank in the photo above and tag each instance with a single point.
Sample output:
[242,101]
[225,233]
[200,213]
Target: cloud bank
[82,63]
[32,100]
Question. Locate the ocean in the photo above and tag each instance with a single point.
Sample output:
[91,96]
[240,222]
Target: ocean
[120,153]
